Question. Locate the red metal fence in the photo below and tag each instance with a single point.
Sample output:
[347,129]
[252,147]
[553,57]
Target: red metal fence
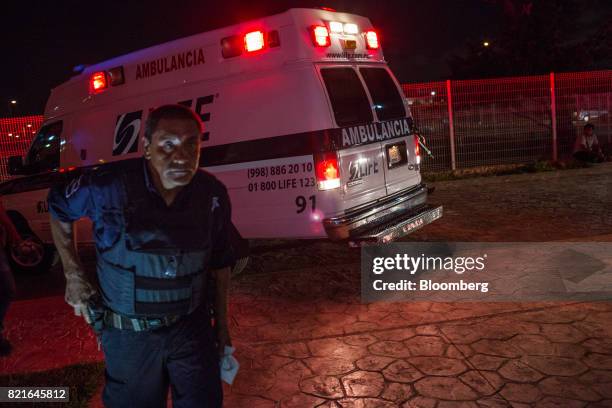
[468,123]
[16,134]
[509,120]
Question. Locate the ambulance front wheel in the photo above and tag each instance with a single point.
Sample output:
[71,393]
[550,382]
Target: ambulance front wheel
[31,255]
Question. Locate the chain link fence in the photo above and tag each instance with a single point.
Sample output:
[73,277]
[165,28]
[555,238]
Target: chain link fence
[582,97]
[509,120]
[429,107]
[467,123]
[16,134]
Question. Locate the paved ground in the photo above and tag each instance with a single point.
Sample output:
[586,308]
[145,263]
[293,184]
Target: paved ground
[304,339]
[549,356]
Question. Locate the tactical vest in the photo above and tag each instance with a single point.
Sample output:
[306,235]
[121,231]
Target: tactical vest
[154,263]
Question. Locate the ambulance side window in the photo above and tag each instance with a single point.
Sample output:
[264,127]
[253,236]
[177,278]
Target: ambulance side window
[44,153]
[388,103]
[348,98]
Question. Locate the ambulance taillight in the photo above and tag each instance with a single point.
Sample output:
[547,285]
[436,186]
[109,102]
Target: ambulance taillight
[372,42]
[98,82]
[320,36]
[417,150]
[327,170]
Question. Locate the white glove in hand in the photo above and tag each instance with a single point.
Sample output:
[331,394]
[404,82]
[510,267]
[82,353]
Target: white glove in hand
[229,365]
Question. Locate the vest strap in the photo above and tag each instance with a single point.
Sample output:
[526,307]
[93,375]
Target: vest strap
[176,283]
[181,307]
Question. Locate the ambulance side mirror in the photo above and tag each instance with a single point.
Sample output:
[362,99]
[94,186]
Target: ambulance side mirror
[15,165]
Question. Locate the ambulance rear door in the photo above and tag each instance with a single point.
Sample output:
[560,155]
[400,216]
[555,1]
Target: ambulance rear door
[362,175]
[401,166]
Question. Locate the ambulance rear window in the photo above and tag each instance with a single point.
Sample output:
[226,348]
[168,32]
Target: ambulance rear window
[348,98]
[387,101]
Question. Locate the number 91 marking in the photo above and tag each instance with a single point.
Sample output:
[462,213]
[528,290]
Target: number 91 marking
[301,203]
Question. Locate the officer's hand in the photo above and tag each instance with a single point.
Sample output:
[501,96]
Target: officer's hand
[78,293]
[223,338]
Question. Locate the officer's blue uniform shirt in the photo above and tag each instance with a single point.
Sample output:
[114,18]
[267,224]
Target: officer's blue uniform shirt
[152,258]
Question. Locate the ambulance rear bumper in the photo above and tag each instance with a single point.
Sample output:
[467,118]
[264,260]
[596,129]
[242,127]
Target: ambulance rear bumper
[386,219]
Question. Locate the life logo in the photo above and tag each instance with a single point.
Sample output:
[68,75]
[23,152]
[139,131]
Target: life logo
[126,133]
[362,168]
[128,125]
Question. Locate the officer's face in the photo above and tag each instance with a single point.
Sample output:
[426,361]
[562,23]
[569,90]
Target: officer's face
[174,151]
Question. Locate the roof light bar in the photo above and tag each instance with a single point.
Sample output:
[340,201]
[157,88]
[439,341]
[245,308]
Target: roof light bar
[252,41]
[336,27]
[350,28]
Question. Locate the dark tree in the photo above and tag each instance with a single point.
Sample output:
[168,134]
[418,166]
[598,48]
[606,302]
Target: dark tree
[541,36]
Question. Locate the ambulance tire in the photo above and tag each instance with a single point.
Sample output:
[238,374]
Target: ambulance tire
[241,264]
[41,263]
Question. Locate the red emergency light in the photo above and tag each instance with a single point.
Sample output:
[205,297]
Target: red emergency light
[320,36]
[372,42]
[254,41]
[97,82]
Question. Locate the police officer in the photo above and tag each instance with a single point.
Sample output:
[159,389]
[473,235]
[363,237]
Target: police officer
[161,228]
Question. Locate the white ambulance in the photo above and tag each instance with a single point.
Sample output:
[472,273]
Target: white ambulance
[303,122]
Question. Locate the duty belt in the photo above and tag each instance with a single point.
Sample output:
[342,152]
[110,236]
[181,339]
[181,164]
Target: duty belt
[112,319]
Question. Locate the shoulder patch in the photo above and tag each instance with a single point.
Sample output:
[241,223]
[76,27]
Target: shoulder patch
[73,186]
[215,203]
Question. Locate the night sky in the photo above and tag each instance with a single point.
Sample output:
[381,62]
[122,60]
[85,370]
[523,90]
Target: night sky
[43,40]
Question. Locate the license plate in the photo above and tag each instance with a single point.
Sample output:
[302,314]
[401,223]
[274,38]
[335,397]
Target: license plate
[396,155]
[418,223]
[350,44]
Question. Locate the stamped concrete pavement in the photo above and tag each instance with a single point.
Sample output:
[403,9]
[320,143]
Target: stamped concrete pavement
[304,339]
[422,355]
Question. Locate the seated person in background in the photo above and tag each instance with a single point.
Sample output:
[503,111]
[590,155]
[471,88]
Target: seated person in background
[586,147]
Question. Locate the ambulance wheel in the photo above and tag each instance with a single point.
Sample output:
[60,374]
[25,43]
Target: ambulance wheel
[241,263]
[32,255]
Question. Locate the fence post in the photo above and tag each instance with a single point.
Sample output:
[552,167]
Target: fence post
[553,113]
[609,108]
[451,125]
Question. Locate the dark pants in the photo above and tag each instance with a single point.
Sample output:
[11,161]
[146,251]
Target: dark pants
[590,157]
[140,366]
[7,287]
